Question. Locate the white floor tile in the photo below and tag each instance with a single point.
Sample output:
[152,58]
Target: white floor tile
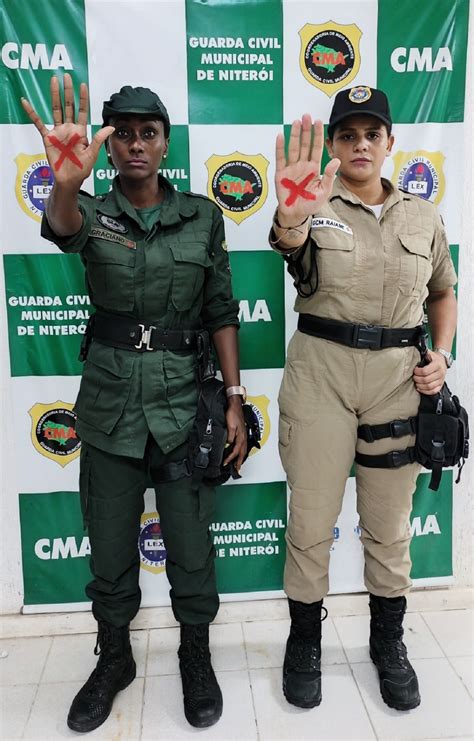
[341,714]
[25,661]
[163,715]
[48,716]
[162,648]
[226,644]
[354,634]
[453,629]
[72,658]
[463,666]
[15,705]
[265,643]
[445,710]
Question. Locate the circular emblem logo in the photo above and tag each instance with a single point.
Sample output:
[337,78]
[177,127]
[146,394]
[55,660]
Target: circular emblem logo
[56,432]
[419,177]
[329,57]
[112,224]
[360,94]
[150,544]
[237,186]
[36,184]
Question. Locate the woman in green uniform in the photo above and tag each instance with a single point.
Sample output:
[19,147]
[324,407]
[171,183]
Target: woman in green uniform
[365,257]
[157,271]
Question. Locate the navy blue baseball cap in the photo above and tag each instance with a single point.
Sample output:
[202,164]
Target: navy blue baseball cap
[359,100]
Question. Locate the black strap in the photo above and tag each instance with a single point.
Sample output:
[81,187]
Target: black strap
[172,471]
[305,282]
[394,459]
[139,335]
[395,428]
[370,336]
[435,477]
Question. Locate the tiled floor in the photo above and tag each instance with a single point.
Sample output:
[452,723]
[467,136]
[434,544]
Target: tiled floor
[39,677]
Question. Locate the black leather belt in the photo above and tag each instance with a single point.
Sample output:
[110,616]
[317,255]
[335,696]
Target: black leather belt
[369,336]
[139,335]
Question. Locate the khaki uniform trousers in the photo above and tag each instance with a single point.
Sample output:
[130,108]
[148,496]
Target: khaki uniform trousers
[327,391]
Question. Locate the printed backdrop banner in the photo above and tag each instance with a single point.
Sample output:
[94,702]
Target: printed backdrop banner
[233,76]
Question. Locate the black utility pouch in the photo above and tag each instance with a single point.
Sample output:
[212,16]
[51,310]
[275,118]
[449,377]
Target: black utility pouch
[442,437]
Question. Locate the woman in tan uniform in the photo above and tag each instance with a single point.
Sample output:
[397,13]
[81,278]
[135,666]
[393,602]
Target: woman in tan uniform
[365,257]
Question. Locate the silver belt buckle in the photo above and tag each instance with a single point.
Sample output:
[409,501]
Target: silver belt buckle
[145,338]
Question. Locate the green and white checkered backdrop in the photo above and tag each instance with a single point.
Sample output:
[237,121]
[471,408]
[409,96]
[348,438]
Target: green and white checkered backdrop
[233,75]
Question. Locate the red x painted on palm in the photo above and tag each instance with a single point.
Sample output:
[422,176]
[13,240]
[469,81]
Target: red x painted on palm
[298,189]
[66,151]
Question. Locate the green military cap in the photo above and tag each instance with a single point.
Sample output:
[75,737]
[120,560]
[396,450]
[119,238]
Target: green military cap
[139,100]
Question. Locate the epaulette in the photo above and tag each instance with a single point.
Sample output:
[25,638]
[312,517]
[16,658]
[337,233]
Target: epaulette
[85,193]
[200,195]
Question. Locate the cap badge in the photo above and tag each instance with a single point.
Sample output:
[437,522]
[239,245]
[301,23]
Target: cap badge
[360,94]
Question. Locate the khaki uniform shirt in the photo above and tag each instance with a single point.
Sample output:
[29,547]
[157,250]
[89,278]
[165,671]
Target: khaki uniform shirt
[175,275]
[376,271]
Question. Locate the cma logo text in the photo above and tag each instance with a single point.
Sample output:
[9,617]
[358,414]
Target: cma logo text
[258,313]
[429,526]
[421,60]
[57,548]
[29,56]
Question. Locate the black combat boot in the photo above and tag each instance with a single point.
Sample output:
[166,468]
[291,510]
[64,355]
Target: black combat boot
[302,665]
[115,670]
[202,694]
[398,682]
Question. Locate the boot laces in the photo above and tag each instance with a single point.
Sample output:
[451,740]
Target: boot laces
[98,684]
[304,655]
[305,623]
[196,667]
[394,655]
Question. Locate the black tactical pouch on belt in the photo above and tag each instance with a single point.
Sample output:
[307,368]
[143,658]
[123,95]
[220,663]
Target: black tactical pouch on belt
[208,437]
[442,437]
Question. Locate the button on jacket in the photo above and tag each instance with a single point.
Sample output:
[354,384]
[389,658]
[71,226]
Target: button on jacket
[175,275]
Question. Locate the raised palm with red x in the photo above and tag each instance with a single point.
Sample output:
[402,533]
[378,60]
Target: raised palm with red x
[69,153]
[301,189]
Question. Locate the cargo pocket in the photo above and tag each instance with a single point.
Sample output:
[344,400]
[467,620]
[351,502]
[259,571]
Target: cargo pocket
[84,484]
[105,386]
[415,264]
[190,262]
[110,275]
[335,259]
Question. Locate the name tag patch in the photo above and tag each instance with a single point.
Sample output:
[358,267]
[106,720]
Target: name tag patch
[99,233]
[319,221]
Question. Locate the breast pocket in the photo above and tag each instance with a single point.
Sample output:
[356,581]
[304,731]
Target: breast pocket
[415,264]
[110,274]
[335,259]
[189,264]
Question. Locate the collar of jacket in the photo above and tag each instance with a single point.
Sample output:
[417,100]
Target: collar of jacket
[174,207]
[394,195]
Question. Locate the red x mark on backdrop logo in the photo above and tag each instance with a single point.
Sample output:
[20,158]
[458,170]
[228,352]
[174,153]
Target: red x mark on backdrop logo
[298,189]
[66,151]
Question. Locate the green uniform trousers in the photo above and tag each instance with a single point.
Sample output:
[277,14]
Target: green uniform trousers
[112,489]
